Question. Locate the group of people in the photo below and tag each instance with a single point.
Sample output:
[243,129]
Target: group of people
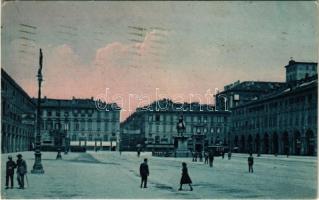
[185,179]
[208,156]
[21,166]
[144,173]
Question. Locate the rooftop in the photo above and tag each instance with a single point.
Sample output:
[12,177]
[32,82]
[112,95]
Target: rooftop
[78,103]
[261,86]
[301,85]
[292,62]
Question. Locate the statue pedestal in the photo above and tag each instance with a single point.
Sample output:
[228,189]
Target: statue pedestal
[182,147]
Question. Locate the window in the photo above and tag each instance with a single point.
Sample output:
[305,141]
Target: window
[157,117]
[89,124]
[309,98]
[194,118]
[309,119]
[82,113]
[90,137]
[99,126]
[212,130]
[57,126]
[77,125]
[105,138]
[82,125]
[3,107]
[157,139]
[73,137]
[49,125]
[164,140]
[106,126]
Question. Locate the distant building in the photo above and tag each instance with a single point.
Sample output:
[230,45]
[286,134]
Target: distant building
[17,117]
[278,118]
[79,123]
[154,126]
[279,123]
[296,71]
[239,93]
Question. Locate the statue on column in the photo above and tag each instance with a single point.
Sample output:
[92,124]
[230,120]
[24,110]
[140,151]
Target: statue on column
[180,126]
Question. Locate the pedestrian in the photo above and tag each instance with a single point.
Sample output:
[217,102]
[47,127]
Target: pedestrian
[138,153]
[144,173]
[206,157]
[229,155]
[211,158]
[185,178]
[250,163]
[223,153]
[200,156]
[10,171]
[193,155]
[196,154]
[21,171]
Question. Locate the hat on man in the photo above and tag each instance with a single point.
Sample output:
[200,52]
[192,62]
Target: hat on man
[19,156]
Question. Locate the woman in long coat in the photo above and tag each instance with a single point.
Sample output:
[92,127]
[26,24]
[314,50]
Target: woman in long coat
[185,177]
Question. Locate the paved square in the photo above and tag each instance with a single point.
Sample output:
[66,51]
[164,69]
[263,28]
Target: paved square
[109,175]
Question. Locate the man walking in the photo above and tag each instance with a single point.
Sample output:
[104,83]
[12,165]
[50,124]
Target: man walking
[10,171]
[144,173]
[250,163]
[206,157]
[21,171]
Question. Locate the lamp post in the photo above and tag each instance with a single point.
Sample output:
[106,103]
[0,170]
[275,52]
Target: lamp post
[118,139]
[37,167]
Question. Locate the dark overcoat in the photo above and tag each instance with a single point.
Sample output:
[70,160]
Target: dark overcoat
[185,177]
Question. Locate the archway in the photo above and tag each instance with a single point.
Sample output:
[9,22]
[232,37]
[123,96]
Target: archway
[236,141]
[297,143]
[257,143]
[242,147]
[310,143]
[266,143]
[275,143]
[285,143]
[250,143]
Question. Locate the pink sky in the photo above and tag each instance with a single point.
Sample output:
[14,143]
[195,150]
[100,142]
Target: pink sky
[204,46]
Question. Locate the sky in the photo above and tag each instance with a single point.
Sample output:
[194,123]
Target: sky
[135,52]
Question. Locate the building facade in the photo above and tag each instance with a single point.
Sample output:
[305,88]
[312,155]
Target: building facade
[239,93]
[17,117]
[79,123]
[281,118]
[281,123]
[156,125]
[296,71]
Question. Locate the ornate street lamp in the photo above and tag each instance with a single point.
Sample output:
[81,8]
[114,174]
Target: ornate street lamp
[37,167]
